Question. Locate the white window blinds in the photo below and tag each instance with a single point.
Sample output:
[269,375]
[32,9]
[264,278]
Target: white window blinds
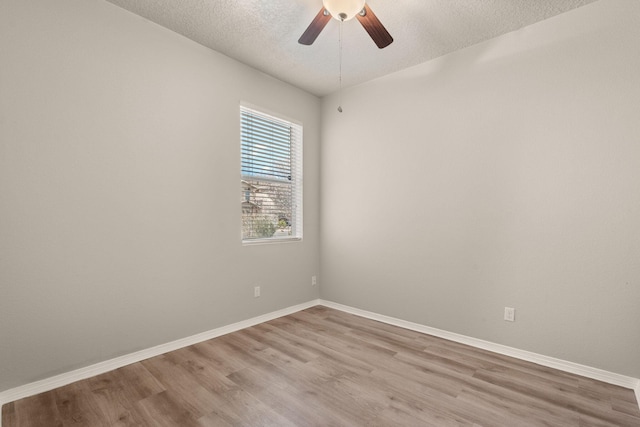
[271,185]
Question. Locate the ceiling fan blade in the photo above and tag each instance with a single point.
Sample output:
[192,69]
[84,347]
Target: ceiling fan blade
[374,27]
[316,26]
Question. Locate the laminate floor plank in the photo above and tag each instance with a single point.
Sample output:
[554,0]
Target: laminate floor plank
[206,374]
[405,396]
[301,346]
[387,339]
[9,414]
[299,403]
[218,357]
[238,407]
[183,387]
[78,406]
[125,385]
[625,407]
[528,411]
[316,345]
[323,367]
[293,352]
[568,397]
[162,410]
[39,410]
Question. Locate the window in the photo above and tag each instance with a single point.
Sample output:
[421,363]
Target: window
[271,184]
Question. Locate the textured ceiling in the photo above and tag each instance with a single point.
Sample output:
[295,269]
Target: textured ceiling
[264,33]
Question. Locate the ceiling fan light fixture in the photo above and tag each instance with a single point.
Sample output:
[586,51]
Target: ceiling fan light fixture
[343,10]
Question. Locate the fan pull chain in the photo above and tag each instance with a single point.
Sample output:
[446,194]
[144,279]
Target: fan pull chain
[340,73]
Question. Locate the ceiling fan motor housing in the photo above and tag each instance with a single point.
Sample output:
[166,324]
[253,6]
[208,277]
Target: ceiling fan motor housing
[343,10]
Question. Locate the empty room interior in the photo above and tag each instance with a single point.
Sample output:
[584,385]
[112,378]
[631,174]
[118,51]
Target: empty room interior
[452,236]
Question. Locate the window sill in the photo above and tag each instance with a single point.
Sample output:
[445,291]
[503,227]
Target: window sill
[271,241]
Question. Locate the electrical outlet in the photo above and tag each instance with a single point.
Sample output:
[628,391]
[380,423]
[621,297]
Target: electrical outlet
[510,314]
[314,280]
[256,292]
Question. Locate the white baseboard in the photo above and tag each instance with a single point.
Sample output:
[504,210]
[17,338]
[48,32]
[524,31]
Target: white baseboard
[109,365]
[551,362]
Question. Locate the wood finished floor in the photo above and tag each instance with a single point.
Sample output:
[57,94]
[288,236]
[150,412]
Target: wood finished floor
[322,367]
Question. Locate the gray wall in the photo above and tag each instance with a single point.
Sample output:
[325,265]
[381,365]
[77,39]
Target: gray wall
[506,174]
[119,189]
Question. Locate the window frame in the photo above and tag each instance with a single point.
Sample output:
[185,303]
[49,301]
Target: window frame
[296,174]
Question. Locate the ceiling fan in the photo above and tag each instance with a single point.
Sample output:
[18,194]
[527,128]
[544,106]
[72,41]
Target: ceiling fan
[344,10]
